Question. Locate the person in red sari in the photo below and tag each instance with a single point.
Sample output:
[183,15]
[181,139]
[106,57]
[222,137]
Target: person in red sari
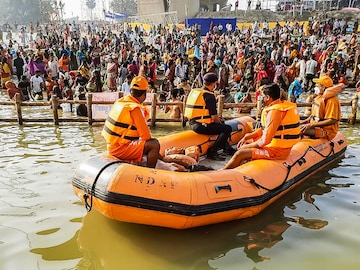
[112,73]
[270,69]
[152,72]
[291,72]
[95,57]
[12,90]
[49,84]
[260,72]
[133,68]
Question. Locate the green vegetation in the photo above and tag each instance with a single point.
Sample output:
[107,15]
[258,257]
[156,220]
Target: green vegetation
[124,6]
[25,11]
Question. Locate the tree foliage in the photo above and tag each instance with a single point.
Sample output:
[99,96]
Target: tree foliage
[25,11]
[21,11]
[91,4]
[124,6]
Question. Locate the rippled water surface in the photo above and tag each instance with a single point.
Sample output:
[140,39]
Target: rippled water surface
[43,225]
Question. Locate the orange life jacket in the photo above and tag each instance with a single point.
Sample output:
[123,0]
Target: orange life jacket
[119,127]
[319,103]
[288,132]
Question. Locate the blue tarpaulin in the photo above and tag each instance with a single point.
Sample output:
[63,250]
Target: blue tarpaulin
[112,15]
[205,23]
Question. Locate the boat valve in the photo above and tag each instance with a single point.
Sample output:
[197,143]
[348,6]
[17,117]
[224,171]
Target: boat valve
[302,161]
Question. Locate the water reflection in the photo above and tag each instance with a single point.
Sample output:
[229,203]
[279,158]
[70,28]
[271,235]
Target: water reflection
[37,203]
[62,252]
[106,244]
[271,234]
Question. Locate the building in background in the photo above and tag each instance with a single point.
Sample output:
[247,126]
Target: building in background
[183,8]
[288,5]
[171,11]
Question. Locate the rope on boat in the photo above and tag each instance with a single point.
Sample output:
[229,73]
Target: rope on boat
[91,193]
[299,161]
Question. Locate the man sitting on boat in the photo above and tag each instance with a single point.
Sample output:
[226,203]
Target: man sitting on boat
[126,131]
[280,130]
[325,111]
[203,117]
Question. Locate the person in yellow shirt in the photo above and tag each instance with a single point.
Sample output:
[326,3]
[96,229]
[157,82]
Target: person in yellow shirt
[325,111]
[126,132]
[5,72]
[84,70]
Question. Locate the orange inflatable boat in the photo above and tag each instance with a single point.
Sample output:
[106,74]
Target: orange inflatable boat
[181,200]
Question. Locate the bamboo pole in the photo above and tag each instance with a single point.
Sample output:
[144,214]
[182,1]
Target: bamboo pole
[184,104]
[354,105]
[220,106]
[7,103]
[89,108]
[18,108]
[55,104]
[153,109]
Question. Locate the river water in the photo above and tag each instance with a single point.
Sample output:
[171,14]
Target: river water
[44,226]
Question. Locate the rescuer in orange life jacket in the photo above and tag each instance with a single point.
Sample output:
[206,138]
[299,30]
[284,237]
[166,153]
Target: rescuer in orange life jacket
[325,111]
[202,113]
[280,121]
[126,131]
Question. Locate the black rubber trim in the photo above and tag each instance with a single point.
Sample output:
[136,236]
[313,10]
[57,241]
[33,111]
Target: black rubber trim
[288,126]
[118,124]
[120,135]
[287,136]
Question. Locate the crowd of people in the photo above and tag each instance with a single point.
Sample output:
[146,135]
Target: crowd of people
[69,60]
[104,56]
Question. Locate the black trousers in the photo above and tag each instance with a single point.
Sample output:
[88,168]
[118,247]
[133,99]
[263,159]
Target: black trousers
[309,78]
[223,130]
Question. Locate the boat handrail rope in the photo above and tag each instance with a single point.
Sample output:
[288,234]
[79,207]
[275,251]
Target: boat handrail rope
[86,196]
[299,161]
